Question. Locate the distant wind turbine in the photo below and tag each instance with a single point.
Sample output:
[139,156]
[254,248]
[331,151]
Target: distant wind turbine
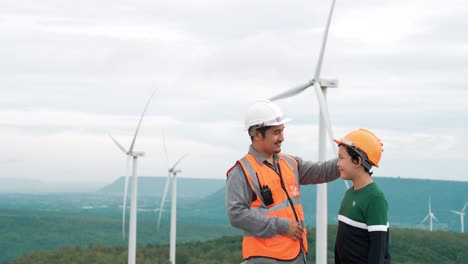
[320,87]
[462,215]
[131,154]
[430,216]
[172,173]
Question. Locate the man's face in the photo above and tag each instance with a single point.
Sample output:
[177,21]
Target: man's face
[271,143]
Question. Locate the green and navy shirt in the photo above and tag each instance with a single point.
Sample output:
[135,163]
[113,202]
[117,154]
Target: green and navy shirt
[363,230]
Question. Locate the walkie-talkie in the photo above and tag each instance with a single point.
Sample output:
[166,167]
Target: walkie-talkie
[265,192]
[266,195]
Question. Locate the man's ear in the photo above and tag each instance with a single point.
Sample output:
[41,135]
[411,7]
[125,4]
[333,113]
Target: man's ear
[257,135]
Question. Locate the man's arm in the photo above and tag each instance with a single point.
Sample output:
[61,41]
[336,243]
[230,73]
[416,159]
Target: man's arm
[317,172]
[238,201]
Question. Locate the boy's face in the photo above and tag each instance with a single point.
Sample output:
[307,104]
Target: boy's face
[345,164]
[271,143]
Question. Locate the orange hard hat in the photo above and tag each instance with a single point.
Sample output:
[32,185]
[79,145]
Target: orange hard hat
[364,141]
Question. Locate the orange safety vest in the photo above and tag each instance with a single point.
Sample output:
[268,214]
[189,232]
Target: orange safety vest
[281,246]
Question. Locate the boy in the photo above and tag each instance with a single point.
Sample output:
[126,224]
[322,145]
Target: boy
[363,230]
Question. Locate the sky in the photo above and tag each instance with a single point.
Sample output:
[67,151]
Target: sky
[73,72]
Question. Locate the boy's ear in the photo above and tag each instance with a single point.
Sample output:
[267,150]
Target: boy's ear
[359,162]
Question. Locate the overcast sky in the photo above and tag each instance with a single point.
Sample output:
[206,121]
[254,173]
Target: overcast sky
[73,71]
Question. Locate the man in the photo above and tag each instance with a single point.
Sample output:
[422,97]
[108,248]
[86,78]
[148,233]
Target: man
[363,232]
[263,194]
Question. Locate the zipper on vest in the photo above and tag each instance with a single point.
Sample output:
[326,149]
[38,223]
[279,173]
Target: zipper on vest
[290,201]
[287,194]
[292,207]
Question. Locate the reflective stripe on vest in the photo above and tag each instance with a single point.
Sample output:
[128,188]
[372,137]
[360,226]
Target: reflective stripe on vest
[280,247]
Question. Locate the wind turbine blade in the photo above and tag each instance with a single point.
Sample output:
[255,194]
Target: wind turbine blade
[294,91]
[425,218]
[139,122]
[166,188]
[464,207]
[435,218]
[455,212]
[165,150]
[179,160]
[118,144]
[324,112]
[124,204]
[346,183]
[326,117]
[324,43]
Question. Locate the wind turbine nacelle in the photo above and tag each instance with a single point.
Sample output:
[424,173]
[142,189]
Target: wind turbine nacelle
[329,83]
[138,154]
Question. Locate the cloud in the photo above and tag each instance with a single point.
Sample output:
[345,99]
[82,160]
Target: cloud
[69,26]
[73,72]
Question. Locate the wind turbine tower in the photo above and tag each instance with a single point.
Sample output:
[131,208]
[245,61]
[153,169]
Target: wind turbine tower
[172,173]
[462,216]
[320,87]
[132,155]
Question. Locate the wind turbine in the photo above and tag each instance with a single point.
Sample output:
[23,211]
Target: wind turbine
[462,215]
[131,155]
[430,215]
[172,173]
[320,87]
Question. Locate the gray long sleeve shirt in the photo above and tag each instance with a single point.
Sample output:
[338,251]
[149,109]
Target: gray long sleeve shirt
[251,220]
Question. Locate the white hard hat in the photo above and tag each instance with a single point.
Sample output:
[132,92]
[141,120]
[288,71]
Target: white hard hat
[264,113]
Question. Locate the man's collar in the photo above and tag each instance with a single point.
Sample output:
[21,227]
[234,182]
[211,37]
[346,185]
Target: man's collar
[259,158]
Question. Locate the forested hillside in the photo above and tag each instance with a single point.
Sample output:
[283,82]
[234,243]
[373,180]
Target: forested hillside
[30,222]
[23,233]
[407,247]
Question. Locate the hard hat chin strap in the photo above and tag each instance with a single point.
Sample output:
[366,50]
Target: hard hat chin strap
[364,159]
[366,164]
[252,130]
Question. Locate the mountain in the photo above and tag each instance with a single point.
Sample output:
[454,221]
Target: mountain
[407,200]
[154,186]
[205,198]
